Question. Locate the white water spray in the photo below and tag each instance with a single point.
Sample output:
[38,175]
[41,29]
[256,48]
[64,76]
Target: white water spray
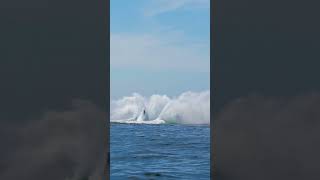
[188,108]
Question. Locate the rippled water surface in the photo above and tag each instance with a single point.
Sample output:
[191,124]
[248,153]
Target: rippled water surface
[165,151]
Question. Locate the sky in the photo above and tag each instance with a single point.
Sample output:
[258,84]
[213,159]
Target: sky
[159,47]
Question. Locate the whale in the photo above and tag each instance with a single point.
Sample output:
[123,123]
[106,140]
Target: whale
[143,116]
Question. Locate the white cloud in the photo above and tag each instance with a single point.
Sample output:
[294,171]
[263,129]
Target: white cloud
[156,51]
[157,7]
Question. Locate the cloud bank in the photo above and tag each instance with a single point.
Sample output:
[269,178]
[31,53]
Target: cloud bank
[158,51]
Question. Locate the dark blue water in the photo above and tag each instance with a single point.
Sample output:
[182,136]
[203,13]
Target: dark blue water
[140,151]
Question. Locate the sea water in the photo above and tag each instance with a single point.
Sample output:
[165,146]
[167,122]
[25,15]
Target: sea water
[159,151]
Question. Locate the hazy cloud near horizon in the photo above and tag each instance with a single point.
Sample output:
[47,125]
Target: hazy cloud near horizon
[170,51]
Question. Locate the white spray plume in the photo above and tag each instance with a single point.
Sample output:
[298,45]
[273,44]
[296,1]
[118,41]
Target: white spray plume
[188,108]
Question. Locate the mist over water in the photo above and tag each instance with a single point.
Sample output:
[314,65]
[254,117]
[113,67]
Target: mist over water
[187,108]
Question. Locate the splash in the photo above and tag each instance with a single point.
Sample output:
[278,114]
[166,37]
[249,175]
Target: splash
[188,108]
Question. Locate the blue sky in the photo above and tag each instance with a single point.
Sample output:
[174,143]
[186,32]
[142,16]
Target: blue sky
[159,47]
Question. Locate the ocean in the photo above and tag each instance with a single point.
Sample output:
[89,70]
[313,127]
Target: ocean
[159,151]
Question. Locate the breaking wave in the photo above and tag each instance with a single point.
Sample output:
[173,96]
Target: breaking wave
[188,108]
